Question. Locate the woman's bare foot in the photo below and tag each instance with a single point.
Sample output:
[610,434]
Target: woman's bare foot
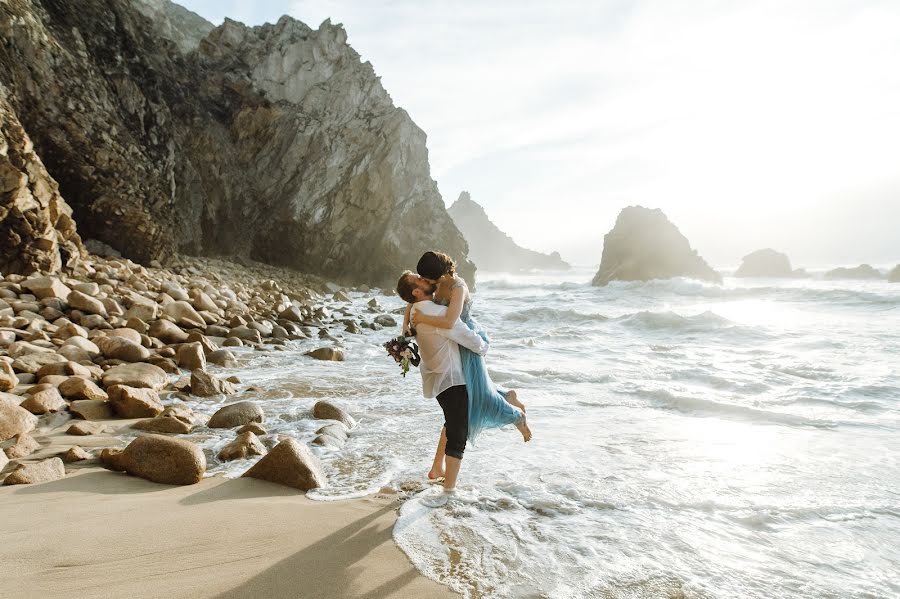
[435,474]
[512,398]
[522,425]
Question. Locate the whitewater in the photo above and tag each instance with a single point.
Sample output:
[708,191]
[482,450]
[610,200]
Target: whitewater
[691,440]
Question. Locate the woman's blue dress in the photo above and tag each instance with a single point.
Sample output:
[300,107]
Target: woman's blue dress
[488,407]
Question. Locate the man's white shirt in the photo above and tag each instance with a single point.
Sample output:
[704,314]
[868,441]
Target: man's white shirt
[441,366]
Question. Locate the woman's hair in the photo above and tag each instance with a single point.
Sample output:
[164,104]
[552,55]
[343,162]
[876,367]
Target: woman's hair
[433,265]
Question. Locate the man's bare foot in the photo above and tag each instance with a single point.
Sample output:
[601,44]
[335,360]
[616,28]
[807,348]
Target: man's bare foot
[513,399]
[522,425]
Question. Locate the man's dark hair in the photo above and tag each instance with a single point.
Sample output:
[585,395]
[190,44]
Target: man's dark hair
[405,287]
[433,265]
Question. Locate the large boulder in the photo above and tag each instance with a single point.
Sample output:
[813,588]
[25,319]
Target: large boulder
[14,420]
[136,375]
[765,263]
[894,275]
[191,356]
[863,271]
[236,414]
[290,463]
[119,348]
[133,402]
[324,410]
[244,445]
[45,401]
[204,384]
[645,245]
[165,460]
[40,472]
[77,387]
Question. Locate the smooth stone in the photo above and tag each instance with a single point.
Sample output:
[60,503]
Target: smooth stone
[134,402]
[25,445]
[85,428]
[222,357]
[327,353]
[77,387]
[120,348]
[126,333]
[204,384]
[85,303]
[246,444]
[90,409]
[253,427]
[165,460]
[75,454]
[236,414]
[8,378]
[324,410]
[136,375]
[32,363]
[184,314]
[191,356]
[44,287]
[65,369]
[167,332]
[386,320]
[43,402]
[14,420]
[163,424]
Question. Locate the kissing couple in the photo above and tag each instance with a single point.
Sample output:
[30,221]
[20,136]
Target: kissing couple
[452,347]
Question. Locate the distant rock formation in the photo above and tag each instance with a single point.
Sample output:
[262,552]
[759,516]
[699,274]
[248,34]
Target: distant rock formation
[644,245]
[492,249]
[768,263]
[894,275]
[37,232]
[863,271]
[276,142]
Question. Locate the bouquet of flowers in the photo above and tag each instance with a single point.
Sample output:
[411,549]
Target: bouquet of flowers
[404,352]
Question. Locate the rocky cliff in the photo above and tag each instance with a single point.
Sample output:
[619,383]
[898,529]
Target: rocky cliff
[492,249]
[37,232]
[645,245]
[275,142]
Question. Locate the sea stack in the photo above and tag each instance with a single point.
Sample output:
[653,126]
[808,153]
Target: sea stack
[492,249]
[645,245]
[767,263]
[863,271]
[894,276]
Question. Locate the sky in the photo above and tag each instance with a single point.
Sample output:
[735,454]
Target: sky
[751,123]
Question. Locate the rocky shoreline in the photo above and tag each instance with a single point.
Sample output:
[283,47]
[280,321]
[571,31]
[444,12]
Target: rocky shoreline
[110,347]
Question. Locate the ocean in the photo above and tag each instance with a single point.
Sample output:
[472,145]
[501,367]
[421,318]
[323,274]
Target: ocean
[691,440]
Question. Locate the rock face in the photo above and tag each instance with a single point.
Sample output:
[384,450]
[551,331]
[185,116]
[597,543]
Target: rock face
[36,227]
[863,271]
[275,142]
[645,245]
[492,249]
[894,275]
[765,263]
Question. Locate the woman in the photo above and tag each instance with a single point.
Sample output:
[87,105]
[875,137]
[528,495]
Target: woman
[489,406]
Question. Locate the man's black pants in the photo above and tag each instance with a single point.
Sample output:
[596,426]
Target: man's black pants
[455,403]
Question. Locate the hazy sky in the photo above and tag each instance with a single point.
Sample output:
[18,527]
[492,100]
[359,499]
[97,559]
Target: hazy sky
[751,124]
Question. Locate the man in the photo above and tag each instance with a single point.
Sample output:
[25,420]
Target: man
[442,375]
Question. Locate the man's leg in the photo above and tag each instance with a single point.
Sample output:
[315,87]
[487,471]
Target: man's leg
[437,467]
[451,473]
[455,403]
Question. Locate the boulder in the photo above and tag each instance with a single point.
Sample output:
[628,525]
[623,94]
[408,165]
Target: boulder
[75,454]
[84,344]
[386,320]
[863,271]
[134,402]
[111,458]
[44,287]
[69,330]
[183,414]
[25,445]
[204,341]
[645,245]
[236,414]
[191,356]
[290,463]
[245,333]
[204,384]
[119,348]
[163,424]
[222,357]
[338,431]
[39,472]
[85,429]
[126,333]
[894,275]
[77,387]
[145,312]
[63,369]
[165,460]
[232,342]
[184,315]
[136,375]
[765,263]
[85,303]
[327,353]
[167,332]
[8,378]
[43,402]
[253,427]
[245,445]
[340,296]
[14,420]
[327,411]
[31,363]
[291,313]
[90,409]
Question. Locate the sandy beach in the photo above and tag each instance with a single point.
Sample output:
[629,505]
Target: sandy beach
[106,534]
